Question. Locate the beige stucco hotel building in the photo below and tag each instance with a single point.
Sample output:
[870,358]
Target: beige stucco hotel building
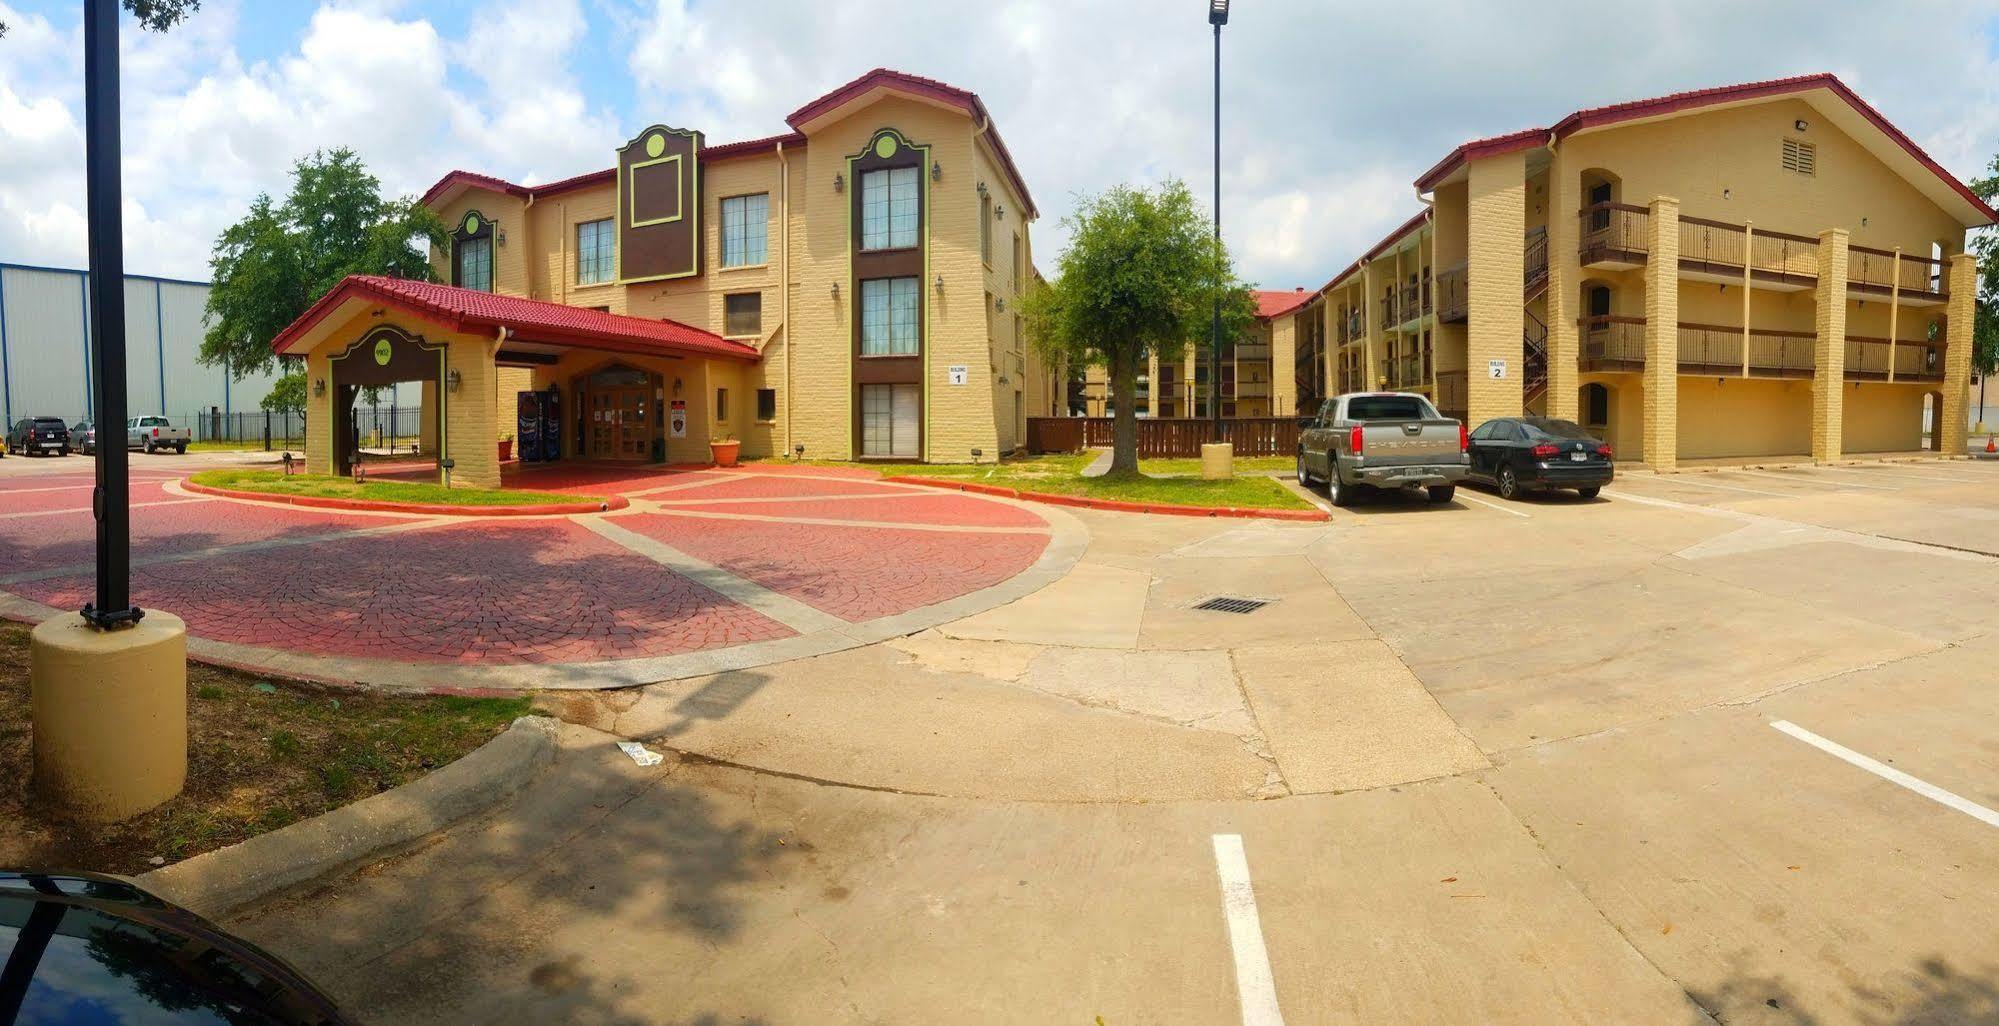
[850,287]
[1770,269]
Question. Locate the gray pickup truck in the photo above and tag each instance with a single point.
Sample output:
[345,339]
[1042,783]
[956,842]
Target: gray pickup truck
[1363,441]
[151,432]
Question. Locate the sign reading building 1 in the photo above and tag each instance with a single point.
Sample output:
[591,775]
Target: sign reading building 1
[676,419]
[959,373]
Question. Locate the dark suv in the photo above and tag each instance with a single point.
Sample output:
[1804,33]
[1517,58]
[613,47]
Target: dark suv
[39,436]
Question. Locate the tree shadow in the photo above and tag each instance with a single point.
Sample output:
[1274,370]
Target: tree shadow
[1930,993]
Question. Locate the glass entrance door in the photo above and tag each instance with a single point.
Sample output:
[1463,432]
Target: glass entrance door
[619,428]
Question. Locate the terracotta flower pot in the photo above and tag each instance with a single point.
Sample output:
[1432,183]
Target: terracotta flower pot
[725,452]
[506,450]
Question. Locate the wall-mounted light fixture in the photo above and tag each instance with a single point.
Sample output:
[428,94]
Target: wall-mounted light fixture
[999,211]
[1800,124]
[936,171]
[676,388]
[939,283]
[839,183]
[453,380]
[799,450]
[1726,193]
[501,234]
[318,387]
[982,188]
[836,290]
[999,303]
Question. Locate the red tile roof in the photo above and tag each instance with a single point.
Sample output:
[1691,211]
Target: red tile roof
[964,100]
[888,78]
[530,320]
[1674,103]
[1275,302]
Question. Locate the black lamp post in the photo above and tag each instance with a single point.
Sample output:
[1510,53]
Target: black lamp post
[113,607]
[1218,15]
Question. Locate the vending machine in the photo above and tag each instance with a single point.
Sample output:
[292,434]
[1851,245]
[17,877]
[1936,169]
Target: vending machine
[540,426]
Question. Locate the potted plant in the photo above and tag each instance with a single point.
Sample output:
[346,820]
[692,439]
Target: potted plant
[724,448]
[506,447]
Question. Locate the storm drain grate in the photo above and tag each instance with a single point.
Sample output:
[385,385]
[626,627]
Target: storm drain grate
[1228,604]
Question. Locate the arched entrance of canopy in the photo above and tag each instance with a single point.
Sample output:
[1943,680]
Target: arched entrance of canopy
[385,355]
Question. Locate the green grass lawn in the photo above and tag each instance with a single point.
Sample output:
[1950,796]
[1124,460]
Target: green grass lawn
[263,753]
[1062,475]
[1192,467]
[328,487]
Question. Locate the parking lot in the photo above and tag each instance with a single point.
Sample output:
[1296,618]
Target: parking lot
[1715,747]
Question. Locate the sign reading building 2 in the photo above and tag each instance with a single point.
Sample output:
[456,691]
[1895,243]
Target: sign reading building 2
[1497,368]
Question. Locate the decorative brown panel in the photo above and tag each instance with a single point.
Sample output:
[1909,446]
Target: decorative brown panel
[888,149]
[659,205]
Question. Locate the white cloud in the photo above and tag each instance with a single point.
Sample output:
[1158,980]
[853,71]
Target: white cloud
[1329,110]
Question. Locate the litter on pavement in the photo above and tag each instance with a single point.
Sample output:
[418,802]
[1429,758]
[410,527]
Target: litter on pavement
[640,754]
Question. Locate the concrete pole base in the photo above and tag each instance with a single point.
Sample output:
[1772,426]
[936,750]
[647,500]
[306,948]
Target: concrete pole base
[1217,461]
[110,715]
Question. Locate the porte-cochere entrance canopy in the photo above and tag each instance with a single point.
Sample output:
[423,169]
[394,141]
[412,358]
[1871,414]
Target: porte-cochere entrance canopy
[617,375]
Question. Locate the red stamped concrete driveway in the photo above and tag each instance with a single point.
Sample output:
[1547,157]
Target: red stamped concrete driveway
[707,570]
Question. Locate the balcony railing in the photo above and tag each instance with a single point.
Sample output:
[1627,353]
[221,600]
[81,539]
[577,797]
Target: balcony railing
[1252,389]
[1453,395]
[1718,349]
[1614,233]
[1258,351]
[1717,247]
[1354,330]
[1868,359]
[1612,342]
[1882,273]
[1453,300]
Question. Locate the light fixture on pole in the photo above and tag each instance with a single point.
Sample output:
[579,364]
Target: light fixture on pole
[1218,15]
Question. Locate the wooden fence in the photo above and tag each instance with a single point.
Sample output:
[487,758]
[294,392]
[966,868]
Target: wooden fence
[1160,437]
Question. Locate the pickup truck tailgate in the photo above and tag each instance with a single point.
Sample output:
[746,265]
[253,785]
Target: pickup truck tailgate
[1389,443]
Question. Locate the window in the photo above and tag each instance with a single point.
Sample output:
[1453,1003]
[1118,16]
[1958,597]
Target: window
[743,314]
[721,404]
[475,264]
[1017,261]
[889,420]
[888,317]
[1802,157]
[1596,404]
[888,208]
[766,404]
[986,229]
[746,230]
[596,255]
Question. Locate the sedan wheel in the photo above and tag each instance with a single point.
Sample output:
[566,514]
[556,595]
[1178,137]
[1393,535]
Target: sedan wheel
[1509,485]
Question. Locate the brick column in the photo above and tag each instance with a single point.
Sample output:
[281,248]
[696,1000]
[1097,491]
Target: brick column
[1662,335]
[468,414]
[1959,321]
[1565,274]
[1283,363]
[1829,352]
[1496,199]
[319,428]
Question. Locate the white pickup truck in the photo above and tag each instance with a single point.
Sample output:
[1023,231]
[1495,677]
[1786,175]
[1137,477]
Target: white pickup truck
[151,432]
[1363,441]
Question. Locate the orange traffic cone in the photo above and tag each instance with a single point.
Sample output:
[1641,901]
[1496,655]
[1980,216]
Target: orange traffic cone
[1990,444]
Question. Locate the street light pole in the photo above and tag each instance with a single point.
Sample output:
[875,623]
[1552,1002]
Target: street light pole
[1218,15]
[112,607]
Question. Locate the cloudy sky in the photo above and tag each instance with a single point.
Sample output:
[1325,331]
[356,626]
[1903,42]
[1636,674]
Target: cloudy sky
[1330,109]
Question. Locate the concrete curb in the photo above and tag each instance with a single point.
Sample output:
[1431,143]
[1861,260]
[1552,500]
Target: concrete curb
[378,506]
[1315,516]
[216,882]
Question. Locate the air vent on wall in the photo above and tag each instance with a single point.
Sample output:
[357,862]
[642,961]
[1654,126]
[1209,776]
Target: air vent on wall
[1802,157]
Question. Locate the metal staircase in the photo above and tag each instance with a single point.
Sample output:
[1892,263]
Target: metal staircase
[1534,339]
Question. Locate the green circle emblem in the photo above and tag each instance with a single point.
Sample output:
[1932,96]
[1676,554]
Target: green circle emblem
[885,147]
[383,351]
[471,224]
[655,144]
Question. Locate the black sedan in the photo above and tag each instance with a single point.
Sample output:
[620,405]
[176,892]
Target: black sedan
[1516,454]
[95,951]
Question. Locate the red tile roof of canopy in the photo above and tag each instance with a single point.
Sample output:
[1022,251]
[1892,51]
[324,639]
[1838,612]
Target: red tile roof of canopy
[964,100]
[532,320]
[1673,103]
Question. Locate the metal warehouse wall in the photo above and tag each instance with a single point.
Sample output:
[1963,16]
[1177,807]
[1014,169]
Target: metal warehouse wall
[45,365]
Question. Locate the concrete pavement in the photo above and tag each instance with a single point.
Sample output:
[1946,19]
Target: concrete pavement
[1486,766]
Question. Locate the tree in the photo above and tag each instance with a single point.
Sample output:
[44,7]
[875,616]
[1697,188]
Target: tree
[280,259]
[1985,243]
[287,393]
[1140,277]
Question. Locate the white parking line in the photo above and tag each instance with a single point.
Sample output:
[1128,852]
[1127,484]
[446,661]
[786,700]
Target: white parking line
[1685,479]
[1904,475]
[1891,774]
[1796,479]
[1492,505]
[1253,983]
[89,509]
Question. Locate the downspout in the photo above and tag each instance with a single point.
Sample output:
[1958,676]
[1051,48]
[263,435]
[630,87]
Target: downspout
[562,252]
[784,278]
